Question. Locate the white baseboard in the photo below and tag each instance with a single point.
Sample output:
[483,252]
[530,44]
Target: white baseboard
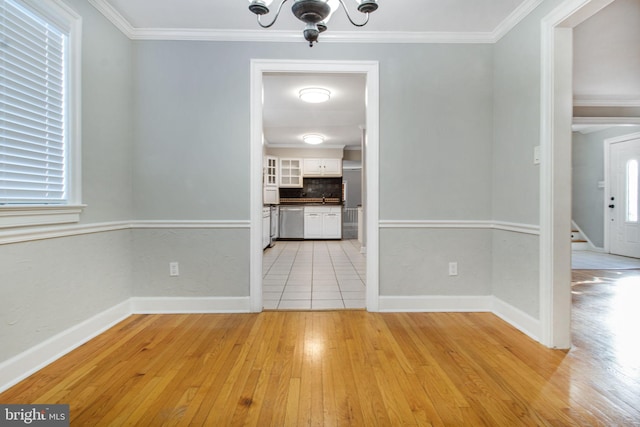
[420,303]
[513,316]
[517,318]
[26,363]
[153,305]
[21,366]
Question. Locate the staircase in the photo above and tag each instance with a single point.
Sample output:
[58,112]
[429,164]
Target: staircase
[578,242]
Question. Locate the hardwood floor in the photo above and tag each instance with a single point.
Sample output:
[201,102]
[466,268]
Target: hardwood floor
[354,368]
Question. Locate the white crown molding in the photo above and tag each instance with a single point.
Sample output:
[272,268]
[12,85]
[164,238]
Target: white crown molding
[114,16]
[514,18]
[203,34]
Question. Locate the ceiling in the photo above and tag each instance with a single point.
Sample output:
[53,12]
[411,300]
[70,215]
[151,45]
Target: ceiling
[286,118]
[399,16]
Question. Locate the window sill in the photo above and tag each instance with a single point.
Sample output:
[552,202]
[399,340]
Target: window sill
[25,215]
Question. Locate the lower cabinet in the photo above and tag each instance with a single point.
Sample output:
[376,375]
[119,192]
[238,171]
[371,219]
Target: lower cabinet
[322,222]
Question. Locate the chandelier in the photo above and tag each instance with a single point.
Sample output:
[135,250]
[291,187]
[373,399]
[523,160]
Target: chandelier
[314,13]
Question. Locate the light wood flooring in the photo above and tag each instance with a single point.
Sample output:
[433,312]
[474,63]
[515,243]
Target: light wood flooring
[354,368]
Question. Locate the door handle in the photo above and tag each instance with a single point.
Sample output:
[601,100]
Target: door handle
[612,206]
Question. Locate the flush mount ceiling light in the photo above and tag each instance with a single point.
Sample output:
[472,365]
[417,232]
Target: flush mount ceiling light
[314,13]
[315,95]
[313,139]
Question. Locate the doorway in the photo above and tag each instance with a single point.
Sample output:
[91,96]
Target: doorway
[370,163]
[555,148]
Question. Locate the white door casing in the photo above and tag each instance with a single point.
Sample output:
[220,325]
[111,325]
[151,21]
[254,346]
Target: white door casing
[370,70]
[555,165]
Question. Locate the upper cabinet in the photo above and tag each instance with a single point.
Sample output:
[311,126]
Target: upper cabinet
[270,171]
[322,167]
[290,172]
[270,192]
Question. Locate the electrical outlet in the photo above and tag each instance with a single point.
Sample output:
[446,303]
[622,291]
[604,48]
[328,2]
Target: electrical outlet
[453,269]
[174,269]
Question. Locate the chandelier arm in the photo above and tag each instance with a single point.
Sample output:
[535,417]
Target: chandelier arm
[274,19]
[346,11]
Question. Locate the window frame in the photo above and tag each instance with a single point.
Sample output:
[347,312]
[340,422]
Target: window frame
[16,215]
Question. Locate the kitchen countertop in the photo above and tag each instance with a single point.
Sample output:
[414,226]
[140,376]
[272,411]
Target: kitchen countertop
[316,201]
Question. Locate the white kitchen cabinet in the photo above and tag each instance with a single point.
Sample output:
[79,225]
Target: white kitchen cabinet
[270,192]
[322,222]
[312,225]
[332,225]
[270,171]
[270,195]
[322,167]
[290,172]
[266,227]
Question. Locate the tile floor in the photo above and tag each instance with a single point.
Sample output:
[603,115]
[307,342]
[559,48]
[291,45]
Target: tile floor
[314,274]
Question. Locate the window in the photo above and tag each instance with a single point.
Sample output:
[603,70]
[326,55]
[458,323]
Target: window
[39,117]
[632,191]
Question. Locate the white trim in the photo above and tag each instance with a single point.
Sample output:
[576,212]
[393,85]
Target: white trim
[109,12]
[370,69]
[41,233]
[521,12]
[436,303]
[161,305]
[517,318]
[355,36]
[22,216]
[35,358]
[459,224]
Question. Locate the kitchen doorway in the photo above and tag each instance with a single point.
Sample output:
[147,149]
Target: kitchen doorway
[369,69]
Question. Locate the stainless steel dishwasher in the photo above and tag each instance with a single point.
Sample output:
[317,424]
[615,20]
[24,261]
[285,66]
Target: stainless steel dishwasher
[291,222]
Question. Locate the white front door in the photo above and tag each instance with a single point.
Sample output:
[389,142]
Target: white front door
[623,202]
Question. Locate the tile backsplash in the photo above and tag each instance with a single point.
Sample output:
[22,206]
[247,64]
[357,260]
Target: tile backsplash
[314,188]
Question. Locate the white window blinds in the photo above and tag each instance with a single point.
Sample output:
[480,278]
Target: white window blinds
[32,108]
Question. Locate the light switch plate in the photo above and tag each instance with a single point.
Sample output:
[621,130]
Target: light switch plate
[536,155]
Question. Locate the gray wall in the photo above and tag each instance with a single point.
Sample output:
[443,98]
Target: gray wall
[515,179]
[50,285]
[588,170]
[192,138]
